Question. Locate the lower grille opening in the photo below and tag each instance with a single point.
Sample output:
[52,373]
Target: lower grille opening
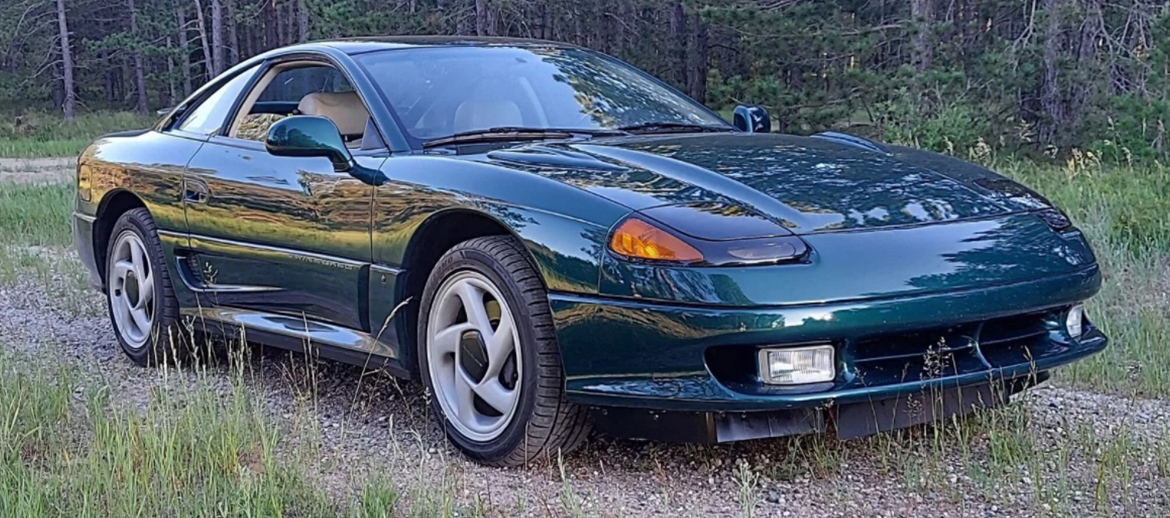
[918,355]
[951,351]
[1018,339]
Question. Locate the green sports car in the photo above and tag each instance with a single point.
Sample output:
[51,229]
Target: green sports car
[553,241]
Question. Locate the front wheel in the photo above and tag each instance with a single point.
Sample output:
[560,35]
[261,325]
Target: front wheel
[488,354]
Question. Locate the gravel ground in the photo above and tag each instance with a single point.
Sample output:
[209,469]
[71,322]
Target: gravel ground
[373,424]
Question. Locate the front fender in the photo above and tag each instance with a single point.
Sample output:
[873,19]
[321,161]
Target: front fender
[563,227]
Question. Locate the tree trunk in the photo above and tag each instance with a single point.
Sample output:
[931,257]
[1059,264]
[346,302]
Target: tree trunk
[172,92]
[540,20]
[1083,90]
[272,24]
[141,103]
[106,56]
[233,35]
[922,16]
[108,83]
[1050,98]
[68,100]
[203,39]
[58,89]
[481,17]
[697,60]
[281,35]
[184,49]
[678,42]
[302,21]
[217,37]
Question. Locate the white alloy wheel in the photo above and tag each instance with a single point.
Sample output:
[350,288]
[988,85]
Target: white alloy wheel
[131,290]
[473,355]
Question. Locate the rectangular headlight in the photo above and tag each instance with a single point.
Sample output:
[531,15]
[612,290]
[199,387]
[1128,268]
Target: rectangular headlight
[797,365]
[1074,321]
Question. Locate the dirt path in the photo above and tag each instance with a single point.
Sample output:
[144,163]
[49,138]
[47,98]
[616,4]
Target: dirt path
[37,171]
[1060,465]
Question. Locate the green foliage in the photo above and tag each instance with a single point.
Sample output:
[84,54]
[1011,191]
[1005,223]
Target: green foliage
[1043,78]
[35,215]
[45,134]
[954,128]
[1123,212]
[208,455]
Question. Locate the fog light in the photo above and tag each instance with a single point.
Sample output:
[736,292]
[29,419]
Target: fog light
[1074,322]
[797,365]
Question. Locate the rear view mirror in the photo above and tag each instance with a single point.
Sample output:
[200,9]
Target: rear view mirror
[750,118]
[309,136]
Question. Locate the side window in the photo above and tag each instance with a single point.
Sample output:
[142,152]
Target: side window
[208,117]
[293,84]
[305,89]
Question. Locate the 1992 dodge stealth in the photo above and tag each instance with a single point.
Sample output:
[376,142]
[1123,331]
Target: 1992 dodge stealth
[575,244]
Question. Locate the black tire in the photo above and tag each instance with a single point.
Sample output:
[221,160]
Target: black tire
[167,339]
[545,423]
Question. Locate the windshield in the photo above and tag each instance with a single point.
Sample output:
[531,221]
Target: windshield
[441,91]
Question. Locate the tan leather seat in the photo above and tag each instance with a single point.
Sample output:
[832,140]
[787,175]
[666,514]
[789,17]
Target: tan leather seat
[345,109]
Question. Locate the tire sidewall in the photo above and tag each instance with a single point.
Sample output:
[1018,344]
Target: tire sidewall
[149,351]
[464,259]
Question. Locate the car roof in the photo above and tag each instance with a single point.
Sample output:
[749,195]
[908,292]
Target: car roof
[361,45]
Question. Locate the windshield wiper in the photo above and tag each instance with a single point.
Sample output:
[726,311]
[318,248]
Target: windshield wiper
[674,127]
[506,133]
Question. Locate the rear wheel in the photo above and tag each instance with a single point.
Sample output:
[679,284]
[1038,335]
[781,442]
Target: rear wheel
[488,354]
[142,306]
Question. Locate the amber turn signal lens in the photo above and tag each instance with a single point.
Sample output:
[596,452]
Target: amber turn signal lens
[638,239]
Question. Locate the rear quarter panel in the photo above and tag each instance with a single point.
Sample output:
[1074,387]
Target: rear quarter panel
[149,165]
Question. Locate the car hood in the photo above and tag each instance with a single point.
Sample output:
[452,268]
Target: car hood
[807,184]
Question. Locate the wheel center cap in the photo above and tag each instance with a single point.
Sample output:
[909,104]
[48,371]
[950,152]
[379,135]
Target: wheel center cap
[132,292]
[473,355]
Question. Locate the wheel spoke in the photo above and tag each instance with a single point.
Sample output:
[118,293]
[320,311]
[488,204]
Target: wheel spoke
[496,396]
[137,258]
[500,345]
[447,341]
[146,291]
[472,298]
[121,268]
[122,308]
[140,319]
[464,397]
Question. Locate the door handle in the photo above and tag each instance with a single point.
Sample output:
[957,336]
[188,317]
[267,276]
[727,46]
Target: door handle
[195,192]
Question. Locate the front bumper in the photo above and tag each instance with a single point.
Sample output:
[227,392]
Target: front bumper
[633,354]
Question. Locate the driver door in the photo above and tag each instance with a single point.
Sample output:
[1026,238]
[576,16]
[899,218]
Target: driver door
[282,235]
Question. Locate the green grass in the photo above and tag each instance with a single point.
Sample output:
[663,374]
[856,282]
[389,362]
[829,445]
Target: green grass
[199,451]
[41,134]
[1125,211]
[33,215]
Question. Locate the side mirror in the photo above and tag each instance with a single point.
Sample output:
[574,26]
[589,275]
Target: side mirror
[750,118]
[306,136]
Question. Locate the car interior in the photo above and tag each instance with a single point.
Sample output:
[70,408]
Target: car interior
[494,101]
[429,108]
[306,89]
